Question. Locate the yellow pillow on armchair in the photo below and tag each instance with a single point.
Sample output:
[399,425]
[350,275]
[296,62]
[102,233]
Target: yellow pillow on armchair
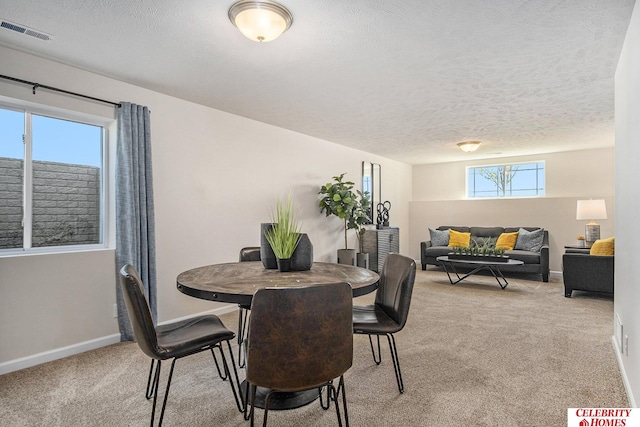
[604,247]
[507,241]
[458,239]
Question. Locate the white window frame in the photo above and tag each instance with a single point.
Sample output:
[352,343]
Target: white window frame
[466,179]
[106,186]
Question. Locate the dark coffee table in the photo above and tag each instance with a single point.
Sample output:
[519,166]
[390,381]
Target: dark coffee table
[449,266]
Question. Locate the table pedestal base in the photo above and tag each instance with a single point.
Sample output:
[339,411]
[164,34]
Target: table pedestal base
[283,399]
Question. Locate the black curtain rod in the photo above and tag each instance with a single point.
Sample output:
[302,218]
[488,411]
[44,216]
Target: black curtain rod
[35,86]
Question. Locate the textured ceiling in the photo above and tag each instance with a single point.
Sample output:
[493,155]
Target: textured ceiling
[404,79]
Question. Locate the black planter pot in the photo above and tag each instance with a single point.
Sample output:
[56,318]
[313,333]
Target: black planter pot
[284,265]
[302,258]
[267,256]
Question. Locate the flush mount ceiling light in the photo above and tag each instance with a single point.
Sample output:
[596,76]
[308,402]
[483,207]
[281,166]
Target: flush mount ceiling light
[469,146]
[260,21]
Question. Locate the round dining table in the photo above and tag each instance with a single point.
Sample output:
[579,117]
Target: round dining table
[236,282]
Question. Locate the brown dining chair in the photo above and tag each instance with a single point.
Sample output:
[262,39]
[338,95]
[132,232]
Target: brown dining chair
[389,312]
[300,339]
[175,340]
[249,253]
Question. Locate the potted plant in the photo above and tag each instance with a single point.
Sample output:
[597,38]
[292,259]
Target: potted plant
[284,235]
[360,218]
[350,206]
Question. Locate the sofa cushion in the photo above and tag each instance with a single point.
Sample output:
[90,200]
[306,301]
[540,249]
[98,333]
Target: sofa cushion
[507,241]
[459,239]
[529,240]
[459,228]
[603,247]
[436,251]
[439,237]
[486,231]
[524,256]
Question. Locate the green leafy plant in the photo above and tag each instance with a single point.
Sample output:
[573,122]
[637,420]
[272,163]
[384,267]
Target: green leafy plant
[351,206]
[360,217]
[284,235]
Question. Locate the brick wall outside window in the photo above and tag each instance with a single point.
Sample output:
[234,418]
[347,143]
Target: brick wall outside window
[66,204]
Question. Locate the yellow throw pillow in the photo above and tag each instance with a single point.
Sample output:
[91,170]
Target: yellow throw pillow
[507,241]
[458,239]
[603,247]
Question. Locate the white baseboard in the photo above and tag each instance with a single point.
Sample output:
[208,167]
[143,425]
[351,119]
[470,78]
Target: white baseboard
[70,350]
[58,353]
[625,379]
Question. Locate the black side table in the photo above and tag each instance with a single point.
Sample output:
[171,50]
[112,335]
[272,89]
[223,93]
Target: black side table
[573,249]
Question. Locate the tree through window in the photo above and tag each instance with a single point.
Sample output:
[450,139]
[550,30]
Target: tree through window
[506,180]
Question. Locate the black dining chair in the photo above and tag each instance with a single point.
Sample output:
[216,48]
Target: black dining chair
[175,340]
[300,339]
[249,253]
[390,310]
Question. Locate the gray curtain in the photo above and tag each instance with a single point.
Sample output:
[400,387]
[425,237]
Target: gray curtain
[135,225]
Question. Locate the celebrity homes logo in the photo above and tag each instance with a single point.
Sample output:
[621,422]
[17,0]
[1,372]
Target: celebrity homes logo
[603,417]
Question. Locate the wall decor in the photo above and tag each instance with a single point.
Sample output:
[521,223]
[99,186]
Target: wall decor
[371,183]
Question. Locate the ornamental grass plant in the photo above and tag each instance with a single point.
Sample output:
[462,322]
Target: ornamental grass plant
[284,235]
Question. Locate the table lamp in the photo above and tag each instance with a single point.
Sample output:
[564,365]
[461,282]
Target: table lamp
[591,210]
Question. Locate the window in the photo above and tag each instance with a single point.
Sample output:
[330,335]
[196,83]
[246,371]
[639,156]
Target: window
[508,180]
[52,180]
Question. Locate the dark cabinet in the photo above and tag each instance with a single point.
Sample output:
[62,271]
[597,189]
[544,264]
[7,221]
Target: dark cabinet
[379,243]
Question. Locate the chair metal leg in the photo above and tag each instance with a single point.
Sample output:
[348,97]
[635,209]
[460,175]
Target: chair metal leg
[237,394]
[336,395]
[247,400]
[379,358]
[243,316]
[156,379]
[251,398]
[344,399]
[322,404]
[267,400]
[396,361]
[222,375]
[166,393]
[151,385]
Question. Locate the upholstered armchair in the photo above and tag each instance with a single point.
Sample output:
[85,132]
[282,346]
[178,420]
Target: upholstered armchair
[584,272]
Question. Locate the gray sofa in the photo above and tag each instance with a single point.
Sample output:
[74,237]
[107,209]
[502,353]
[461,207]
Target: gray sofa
[534,262]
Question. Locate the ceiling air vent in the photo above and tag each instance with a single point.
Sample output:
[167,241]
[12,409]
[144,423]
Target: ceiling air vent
[24,30]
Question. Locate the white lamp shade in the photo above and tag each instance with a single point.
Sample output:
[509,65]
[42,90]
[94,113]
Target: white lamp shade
[260,21]
[591,209]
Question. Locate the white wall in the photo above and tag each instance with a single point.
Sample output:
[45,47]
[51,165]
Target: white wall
[439,199]
[216,177]
[627,283]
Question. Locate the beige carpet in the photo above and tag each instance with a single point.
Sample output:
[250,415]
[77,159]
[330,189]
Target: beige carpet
[472,355]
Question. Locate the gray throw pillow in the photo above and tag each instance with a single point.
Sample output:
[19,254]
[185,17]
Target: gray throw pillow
[529,240]
[439,237]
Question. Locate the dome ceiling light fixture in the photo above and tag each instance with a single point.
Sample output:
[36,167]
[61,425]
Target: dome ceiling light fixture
[260,20]
[469,146]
